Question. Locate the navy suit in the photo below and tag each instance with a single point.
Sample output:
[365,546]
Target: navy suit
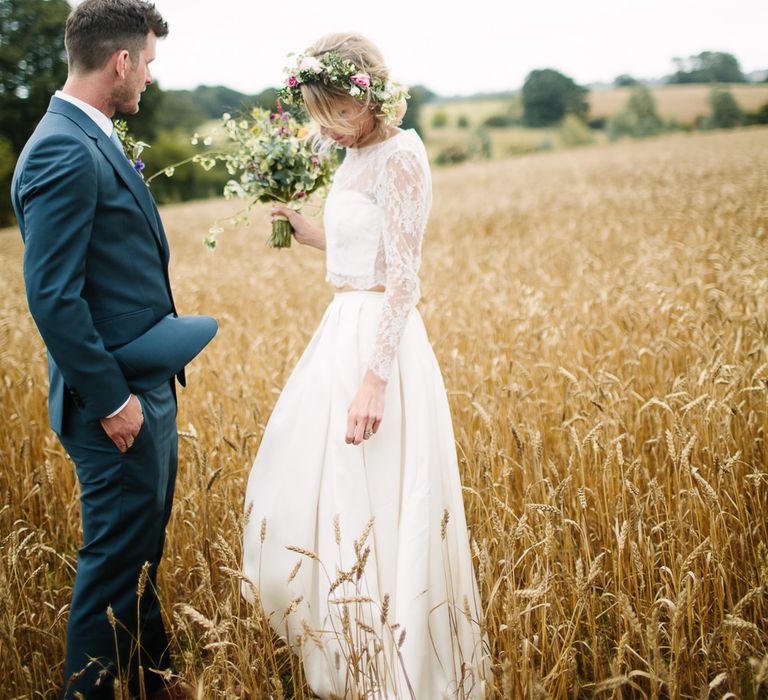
[96,277]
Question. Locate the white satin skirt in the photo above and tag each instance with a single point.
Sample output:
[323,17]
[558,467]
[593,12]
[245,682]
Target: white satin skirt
[359,555]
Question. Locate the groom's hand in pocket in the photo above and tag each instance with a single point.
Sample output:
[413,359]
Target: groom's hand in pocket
[123,427]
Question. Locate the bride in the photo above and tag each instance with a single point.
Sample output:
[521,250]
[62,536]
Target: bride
[356,543]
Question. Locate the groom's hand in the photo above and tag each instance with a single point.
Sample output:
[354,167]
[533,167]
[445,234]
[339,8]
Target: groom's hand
[123,427]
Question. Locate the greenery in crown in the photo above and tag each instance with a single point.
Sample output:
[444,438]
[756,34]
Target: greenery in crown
[334,71]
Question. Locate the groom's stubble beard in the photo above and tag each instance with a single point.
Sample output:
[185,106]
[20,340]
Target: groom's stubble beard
[125,98]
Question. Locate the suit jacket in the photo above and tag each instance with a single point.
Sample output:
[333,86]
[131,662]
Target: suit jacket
[95,257]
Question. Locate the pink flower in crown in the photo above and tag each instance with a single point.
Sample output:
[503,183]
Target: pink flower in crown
[292,81]
[361,80]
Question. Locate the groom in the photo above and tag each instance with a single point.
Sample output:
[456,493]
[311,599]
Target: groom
[96,277]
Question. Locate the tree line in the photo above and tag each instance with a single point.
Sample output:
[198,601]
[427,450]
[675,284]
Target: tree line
[33,65]
[550,98]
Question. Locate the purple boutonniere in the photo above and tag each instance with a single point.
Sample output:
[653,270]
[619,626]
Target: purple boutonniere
[133,148]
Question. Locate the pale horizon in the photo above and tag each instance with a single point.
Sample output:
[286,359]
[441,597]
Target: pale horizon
[240,45]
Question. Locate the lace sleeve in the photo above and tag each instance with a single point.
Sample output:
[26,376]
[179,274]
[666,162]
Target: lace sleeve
[403,194]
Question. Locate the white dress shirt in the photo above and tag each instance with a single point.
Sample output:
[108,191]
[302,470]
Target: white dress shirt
[105,124]
[102,120]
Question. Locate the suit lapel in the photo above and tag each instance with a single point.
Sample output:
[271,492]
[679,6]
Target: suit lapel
[162,237]
[133,181]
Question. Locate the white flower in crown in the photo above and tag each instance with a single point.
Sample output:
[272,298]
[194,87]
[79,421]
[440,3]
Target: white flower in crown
[311,63]
[334,71]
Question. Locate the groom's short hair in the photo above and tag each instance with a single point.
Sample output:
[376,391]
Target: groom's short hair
[98,28]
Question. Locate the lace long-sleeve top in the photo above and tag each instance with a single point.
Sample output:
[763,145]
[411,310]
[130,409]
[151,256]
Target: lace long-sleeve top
[374,219]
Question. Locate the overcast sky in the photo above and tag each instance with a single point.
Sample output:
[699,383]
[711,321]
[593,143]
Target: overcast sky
[457,48]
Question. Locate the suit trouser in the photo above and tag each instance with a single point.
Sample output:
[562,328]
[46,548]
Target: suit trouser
[126,501]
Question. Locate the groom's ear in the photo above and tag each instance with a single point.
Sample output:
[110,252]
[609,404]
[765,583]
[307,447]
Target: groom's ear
[122,61]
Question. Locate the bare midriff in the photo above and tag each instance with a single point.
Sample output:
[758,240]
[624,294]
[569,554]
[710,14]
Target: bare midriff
[377,288]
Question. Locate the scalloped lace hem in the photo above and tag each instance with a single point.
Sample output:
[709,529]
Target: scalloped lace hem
[361,282]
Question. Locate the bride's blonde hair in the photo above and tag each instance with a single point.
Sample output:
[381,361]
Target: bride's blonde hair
[321,100]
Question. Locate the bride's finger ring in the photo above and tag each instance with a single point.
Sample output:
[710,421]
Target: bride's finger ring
[367,434]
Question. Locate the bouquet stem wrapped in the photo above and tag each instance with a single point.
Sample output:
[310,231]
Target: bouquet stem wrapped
[282,232]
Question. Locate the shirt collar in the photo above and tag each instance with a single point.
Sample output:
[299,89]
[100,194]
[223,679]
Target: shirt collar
[102,120]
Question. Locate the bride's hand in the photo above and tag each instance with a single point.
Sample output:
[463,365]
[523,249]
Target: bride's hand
[366,410]
[303,231]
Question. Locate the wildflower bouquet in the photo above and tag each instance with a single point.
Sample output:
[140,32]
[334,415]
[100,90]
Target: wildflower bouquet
[273,161]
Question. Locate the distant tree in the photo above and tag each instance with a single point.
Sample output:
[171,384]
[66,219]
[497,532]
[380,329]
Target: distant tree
[422,93]
[758,117]
[33,63]
[180,111]
[267,99]
[188,109]
[726,112]
[190,181]
[707,67]
[574,132]
[145,123]
[500,120]
[7,163]
[549,95]
[462,122]
[484,144]
[451,155]
[638,119]
[625,80]
[213,101]
[439,119]
[642,107]
[510,116]
[419,95]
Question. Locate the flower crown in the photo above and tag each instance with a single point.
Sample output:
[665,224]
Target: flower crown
[334,71]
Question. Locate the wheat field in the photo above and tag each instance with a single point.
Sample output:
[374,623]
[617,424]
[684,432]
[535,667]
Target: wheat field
[601,319]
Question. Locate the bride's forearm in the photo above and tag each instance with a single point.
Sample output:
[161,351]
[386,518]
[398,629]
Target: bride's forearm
[316,238]
[320,239]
